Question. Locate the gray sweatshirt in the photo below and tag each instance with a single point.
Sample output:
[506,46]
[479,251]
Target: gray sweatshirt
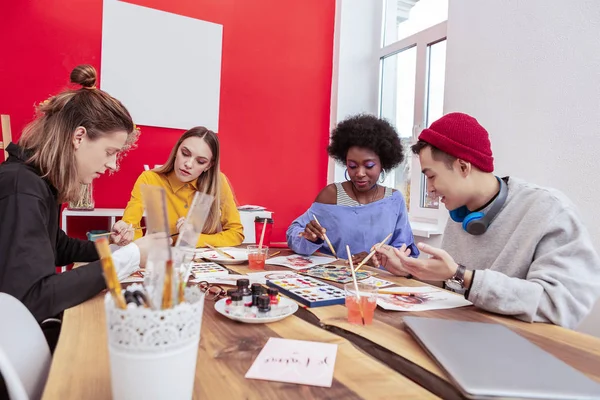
[536,261]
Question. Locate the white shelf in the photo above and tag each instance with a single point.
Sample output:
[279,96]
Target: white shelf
[425,229]
[97,212]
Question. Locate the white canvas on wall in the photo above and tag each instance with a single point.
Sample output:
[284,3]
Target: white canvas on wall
[165,68]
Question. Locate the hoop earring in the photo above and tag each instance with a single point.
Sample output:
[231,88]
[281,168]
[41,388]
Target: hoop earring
[346,174]
[382,177]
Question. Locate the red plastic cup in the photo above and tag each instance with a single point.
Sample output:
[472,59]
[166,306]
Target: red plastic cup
[258,227]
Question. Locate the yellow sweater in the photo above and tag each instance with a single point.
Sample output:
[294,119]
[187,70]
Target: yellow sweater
[179,197]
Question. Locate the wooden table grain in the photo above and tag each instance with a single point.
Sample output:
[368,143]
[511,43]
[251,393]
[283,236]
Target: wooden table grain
[388,341]
[80,367]
[374,362]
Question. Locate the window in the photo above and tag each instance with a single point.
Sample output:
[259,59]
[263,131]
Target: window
[404,18]
[412,77]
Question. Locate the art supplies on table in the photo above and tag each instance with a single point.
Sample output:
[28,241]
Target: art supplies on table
[229,280]
[255,304]
[162,280]
[263,276]
[380,283]
[110,273]
[309,291]
[335,273]
[296,261]
[200,271]
[240,256]
[295,361]
[145,342]
[137,276]
[419,299]
[248,315]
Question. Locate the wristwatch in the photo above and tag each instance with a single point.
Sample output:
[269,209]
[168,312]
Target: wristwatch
[457,282]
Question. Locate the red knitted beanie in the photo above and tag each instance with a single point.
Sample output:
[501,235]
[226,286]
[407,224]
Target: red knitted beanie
[461,136]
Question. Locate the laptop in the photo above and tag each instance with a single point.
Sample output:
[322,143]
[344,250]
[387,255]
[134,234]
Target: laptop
[489,361]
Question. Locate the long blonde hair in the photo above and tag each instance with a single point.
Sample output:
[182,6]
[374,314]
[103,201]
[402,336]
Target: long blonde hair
[48,140]
[209,181]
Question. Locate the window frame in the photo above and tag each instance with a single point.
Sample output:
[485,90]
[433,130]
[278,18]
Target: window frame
[431,221]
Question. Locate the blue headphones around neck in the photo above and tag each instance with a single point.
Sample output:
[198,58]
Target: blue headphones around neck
[476,223]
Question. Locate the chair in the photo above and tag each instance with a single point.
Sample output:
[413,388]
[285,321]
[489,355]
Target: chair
[6,133]
[24,353]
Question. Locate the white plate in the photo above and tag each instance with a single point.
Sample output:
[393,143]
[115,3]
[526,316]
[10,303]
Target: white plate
[240,256]
[283,301]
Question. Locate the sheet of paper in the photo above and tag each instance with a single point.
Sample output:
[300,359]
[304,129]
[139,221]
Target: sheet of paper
[296,261]
[295,361]
[263,276]
[420,299]
[380,283]
[222,280]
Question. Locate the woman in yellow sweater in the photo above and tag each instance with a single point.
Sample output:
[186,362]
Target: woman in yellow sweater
[193,165]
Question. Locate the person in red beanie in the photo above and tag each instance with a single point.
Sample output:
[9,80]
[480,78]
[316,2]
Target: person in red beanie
[511,247]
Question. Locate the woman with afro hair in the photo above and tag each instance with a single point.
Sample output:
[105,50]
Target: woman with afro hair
[358,212]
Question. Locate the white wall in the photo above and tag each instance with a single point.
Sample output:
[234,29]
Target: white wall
[355,64]
[529,71]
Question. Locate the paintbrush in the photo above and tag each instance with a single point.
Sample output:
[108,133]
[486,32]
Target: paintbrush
[273,254]
[326,238]
[110,273]
[371,254]
[397,293]
[362,315]
[110,233]
[221,252]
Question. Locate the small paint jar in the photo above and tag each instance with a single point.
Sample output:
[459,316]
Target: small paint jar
[263,306]
[236,306]
[257,289]
[242,285]
[273,296]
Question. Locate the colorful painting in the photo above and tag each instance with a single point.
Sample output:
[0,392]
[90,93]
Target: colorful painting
[335,273]
[420,299]
[297,261]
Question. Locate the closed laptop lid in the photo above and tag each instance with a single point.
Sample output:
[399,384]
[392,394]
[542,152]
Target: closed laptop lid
[490,360]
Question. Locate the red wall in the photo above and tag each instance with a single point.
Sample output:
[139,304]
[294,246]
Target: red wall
[275,91]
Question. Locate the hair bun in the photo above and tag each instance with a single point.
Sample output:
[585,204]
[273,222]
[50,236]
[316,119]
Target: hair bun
[84,75]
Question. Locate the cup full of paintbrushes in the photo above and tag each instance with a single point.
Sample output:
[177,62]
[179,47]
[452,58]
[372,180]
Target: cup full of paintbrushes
[153,351]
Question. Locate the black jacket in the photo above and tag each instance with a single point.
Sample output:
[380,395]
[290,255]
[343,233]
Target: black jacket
[32,244]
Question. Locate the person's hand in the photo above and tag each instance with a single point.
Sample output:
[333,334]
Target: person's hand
[121,233]
[313,232]
[359,257]
[146,243]
[438,267]
[180,223]
[387,256]
[183,226]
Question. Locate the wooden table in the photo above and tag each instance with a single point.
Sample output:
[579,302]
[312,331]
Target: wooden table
[376,361]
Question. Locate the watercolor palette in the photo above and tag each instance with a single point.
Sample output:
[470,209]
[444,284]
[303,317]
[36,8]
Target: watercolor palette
[335,273]
[206,269]
[309,291]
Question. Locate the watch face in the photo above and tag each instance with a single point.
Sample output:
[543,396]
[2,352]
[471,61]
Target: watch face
[454,284]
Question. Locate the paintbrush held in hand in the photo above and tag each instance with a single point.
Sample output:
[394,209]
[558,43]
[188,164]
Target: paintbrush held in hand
[326,238]
[372,253]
